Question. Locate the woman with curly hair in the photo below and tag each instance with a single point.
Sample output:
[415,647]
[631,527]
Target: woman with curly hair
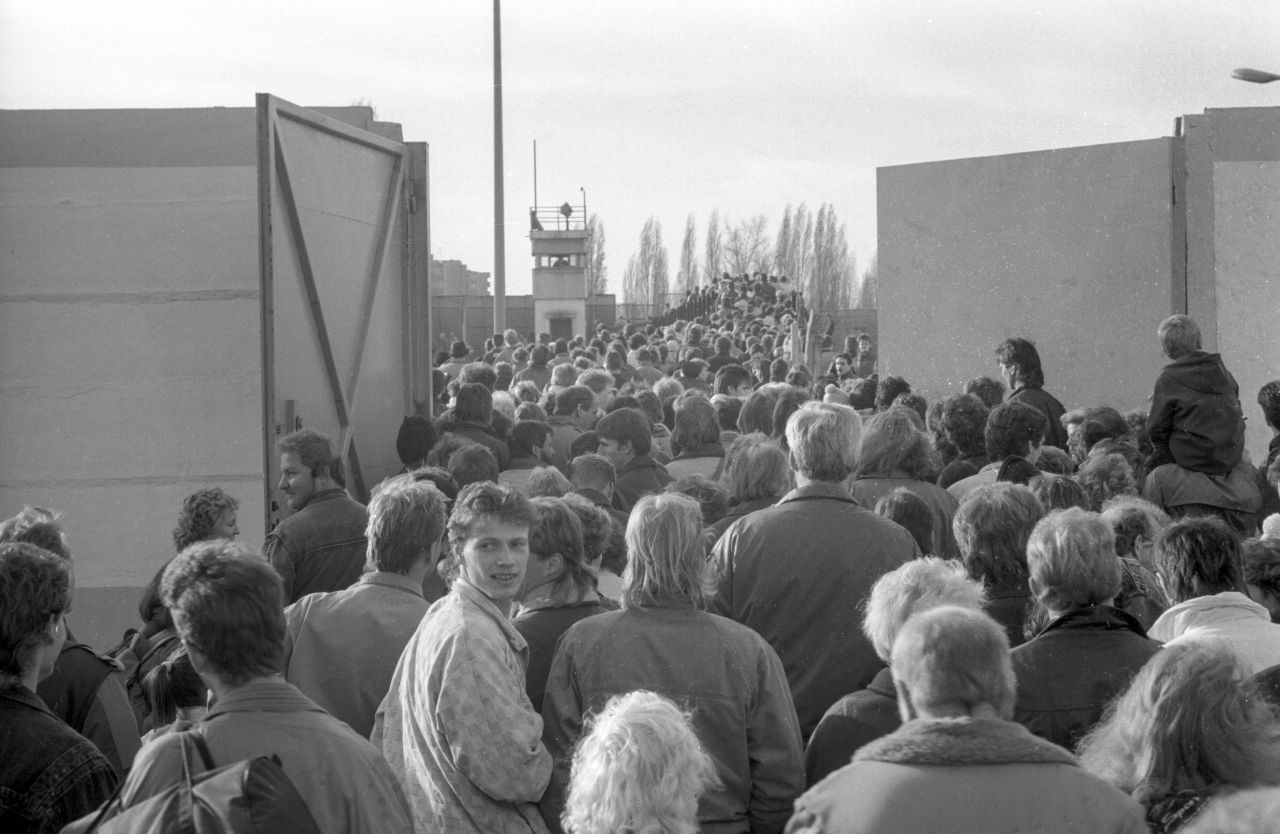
[1192,726]
[639,768]
[1104,477]
[1261,559]
[206,514]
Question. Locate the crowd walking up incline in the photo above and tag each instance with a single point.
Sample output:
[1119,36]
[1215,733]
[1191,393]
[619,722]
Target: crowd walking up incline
[666,577]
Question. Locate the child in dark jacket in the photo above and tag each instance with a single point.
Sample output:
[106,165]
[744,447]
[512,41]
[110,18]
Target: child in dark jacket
[1195,420]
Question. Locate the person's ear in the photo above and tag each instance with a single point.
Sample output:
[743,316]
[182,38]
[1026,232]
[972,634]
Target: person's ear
[198,662]
[434,552]
[553,565]
[1035,586]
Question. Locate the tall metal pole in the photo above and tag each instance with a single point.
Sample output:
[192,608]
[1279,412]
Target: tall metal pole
[499,228]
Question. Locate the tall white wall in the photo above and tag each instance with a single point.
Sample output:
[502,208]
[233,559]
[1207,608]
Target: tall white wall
[1071,248]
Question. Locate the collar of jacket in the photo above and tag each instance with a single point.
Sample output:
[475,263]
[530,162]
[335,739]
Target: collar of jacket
[271,694]
[595,496]
[816,491]
[710,450]
[19,694]
[476,597]
[1096,618]
[644,461]
[963,741]
[392,580]
[325,495]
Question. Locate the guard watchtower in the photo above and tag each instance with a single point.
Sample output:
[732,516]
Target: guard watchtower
[559,238]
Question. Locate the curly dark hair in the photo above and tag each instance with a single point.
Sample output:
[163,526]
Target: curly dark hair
[964,422]
[200,511]
[1269,401]
[988,389]
[1261,562]
[888,389]
[1105,476]
[34,586]
[38,526]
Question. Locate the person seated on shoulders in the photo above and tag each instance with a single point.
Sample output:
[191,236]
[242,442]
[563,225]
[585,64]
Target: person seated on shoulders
[1195,419]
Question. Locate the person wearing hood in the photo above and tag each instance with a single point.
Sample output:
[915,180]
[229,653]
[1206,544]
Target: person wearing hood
[1195,419]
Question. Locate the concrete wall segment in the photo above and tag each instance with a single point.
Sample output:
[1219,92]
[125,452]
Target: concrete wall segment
[1070,248]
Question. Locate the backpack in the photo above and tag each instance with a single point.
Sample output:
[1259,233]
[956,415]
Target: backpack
[253,796]
[138,655]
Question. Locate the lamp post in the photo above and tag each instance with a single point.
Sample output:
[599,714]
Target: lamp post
[499,229]
[1254,76]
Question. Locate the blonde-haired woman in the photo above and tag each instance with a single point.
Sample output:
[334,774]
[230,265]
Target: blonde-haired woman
[639,768]
[722,672]
[1191,726]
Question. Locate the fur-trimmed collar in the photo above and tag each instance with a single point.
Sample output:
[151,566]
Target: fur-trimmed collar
[963,741]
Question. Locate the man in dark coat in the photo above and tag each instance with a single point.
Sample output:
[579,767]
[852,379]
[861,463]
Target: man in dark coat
[1021,371]
[798,572]
[321,547]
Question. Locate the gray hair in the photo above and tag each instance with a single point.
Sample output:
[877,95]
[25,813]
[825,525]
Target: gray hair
[825,440]
[1071,558]
[914,587]
[950,658]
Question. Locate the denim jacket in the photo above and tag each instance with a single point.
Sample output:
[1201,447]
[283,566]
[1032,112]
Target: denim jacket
[321,547]
[49,774]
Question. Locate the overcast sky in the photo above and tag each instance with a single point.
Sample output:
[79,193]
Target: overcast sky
[665,108]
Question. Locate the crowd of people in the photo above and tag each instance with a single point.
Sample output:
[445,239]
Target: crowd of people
[670,579]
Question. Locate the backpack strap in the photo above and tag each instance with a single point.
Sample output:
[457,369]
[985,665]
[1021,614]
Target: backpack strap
[187,803]
[202,748]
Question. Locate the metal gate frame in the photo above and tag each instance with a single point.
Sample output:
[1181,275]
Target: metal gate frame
[274,169]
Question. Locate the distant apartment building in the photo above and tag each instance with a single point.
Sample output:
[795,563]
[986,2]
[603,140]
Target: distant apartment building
[454,278]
